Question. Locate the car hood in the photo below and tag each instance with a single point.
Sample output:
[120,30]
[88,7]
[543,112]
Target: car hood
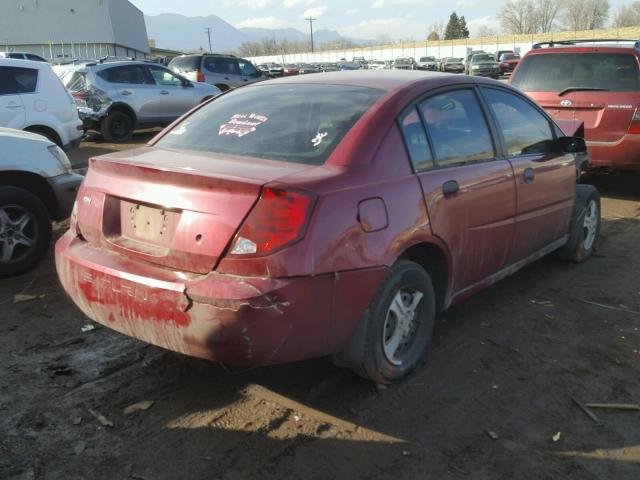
[10,133]
[206,88]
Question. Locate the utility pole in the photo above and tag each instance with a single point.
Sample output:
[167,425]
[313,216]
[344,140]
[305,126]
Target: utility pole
[208,32]
[311,20]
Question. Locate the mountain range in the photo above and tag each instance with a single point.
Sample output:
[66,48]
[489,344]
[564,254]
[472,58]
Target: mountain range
[177,32]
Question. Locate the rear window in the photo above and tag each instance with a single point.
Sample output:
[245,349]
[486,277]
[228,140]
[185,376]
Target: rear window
[555,72]
[293,123]
[185,64]
[482,58]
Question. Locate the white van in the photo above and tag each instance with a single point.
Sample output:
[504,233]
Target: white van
[32,98]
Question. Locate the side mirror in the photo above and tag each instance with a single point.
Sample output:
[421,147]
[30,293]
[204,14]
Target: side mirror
[186,83]
[572,144]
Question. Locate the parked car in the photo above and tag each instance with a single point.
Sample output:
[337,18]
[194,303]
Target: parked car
[350,66]
[483,65]
[290,69]
[120,97]
[404,64]
[315,216]
[364,64]
[500,53]
[427,63]
[271,70]
[377,65]
[306,68]
[223,71]
[508,63]
[470,55]
[33,99]
[453,65]
[329,67]
[23,56]
[598,84]
[37,185]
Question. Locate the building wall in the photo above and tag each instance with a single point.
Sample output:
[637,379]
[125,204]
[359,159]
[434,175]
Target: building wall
[62,28]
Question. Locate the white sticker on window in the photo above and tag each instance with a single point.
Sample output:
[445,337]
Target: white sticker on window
[317,140]
[242,124]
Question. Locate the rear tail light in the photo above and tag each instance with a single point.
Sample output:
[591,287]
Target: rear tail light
[200,76]
[635,123]
[278,220]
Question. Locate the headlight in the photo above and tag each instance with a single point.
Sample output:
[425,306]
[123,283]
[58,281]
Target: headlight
[57,152]
[475,67]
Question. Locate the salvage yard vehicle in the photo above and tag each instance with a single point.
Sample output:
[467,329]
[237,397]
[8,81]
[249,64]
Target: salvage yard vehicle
[453,65]
[404,64]
[594,81]
[119,97]
[37,185]
[483,64]
[427,63]
[33,99]
[223,71]
[319,215]
[23,56]
[508,63]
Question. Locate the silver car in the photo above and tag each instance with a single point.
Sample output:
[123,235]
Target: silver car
[118,97]
[37,185]
[223,71]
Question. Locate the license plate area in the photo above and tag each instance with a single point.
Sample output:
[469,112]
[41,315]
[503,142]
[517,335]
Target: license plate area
[148,229]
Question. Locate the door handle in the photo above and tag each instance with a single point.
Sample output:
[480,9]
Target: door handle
[125,92]
[528,175]
[450,188]
[12,107]
[164,92]
[226,78]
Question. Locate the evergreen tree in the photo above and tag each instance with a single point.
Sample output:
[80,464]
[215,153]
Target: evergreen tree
[463,31]
[452,30]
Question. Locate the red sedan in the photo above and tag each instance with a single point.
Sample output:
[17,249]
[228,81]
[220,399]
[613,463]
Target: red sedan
[508,63]
[324,215]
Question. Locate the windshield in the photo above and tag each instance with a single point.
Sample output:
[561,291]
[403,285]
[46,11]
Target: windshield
[294,123]
[428,59]
[402,60]
[454,60]
[482,58]
[186,64]
[555,72]
[510,56]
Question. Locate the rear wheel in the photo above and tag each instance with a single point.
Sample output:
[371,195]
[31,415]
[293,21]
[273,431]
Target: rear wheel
[585,225]
[117,127]
[25,231]
[397,326]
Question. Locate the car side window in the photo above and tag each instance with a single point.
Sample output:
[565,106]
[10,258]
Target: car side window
[18,56]
[14,80]
[223,65]
[35,58]
[525,130]
[165,77]
[129,74]
[415,139]
[458,128]
[246,68]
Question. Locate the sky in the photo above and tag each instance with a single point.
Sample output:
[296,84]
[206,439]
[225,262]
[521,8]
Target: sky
[366,19]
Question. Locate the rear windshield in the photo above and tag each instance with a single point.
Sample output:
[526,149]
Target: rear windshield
[293,123]
[185,64]
[482,58]
[555,72]
[428,59]
[511,56]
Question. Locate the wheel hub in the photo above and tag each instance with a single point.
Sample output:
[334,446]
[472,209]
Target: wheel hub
[18,233]
[400,324]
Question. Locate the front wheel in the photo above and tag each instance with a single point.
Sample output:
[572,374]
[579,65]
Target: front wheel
[25,231]
[397,325]
[584,230]
[117,127]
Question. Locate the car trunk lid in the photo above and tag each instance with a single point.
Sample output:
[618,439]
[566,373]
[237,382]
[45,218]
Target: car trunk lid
[146,205]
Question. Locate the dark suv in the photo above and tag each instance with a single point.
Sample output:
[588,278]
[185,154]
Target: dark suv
[223,71]
[596,82]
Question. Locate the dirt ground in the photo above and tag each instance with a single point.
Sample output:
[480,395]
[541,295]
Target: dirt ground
[493,401]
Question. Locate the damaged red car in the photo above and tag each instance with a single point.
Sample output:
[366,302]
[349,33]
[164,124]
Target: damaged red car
[330,215]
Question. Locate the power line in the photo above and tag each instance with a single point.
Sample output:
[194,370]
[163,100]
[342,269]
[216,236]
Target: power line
[311,20]
[208,31]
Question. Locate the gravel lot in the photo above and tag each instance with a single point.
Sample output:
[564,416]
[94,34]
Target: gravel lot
[494,400]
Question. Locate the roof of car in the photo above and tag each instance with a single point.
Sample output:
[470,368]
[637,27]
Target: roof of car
[382,79]
[19,62]
[613,45]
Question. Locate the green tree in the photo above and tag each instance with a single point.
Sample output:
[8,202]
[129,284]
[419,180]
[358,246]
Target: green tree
[463,31]
[452,30]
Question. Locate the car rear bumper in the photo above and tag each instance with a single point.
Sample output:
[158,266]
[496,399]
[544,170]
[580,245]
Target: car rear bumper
[65,188]
[247,321]
[623,154]
[485,73]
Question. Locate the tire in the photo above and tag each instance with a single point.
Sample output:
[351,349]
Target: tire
[48,134]
[117,127]
[16,256]
[584,229]
[370,353]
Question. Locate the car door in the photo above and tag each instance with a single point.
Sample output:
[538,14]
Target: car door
[248,73]
[12,84]
[468,190]
[178,96]
[544,177]
[222,71]
[135,86]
